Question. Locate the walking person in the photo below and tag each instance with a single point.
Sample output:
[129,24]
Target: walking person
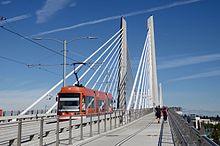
[164,111]
[158,113]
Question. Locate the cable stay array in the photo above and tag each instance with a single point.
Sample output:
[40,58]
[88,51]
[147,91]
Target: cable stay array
[136,96]
[109,48]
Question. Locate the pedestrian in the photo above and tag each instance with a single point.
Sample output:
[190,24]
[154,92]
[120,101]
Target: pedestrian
[158,113]
[164,111]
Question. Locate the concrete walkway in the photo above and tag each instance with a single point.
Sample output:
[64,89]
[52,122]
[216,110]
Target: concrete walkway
[144,131]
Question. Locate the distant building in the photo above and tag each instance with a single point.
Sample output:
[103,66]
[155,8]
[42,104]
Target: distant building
[206,121]
[197,121]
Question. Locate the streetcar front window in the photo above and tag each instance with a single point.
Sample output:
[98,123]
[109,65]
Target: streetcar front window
[69,101]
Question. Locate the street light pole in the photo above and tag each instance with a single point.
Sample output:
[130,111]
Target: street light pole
[64,63]
[64,42]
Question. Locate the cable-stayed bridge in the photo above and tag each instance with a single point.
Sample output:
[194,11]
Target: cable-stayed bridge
[129,119]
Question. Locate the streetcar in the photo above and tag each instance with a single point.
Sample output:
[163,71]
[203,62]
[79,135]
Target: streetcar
[78,100]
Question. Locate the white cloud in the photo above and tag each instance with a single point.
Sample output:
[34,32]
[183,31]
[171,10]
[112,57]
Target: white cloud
[49,9]
[5,2]
[174,63]
[199,75]
[175,4]
[73,4]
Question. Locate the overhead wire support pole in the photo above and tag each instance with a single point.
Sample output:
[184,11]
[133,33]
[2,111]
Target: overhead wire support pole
[64,43]
[64,62]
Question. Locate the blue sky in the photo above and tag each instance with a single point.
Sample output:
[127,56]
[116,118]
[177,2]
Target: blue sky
[186,33]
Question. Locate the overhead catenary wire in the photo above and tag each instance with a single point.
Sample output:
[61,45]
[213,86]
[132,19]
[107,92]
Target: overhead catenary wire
[25,64]
[32,41]
[13,60]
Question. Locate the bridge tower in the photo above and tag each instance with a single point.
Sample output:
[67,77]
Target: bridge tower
[121,103]
[152,68]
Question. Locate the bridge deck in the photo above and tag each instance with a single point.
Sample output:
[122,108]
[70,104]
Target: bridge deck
[145,131]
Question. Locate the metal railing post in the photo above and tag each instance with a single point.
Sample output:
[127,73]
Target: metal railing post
[105,122]
[91,125]
[81,128]
[127,117]
[129,114]
[19,132]
[57,132]
[119,119]
[135,114]
[70,130]
[115,119]
[110,121]
[122,117]
[98,123]
[41,131]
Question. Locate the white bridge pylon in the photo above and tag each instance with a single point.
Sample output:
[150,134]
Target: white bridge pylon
[144,92]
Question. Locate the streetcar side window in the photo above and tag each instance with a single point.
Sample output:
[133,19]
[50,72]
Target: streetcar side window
[101,104]
[110,102]
[90,102]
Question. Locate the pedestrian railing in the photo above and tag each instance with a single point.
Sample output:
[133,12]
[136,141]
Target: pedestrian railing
[53,131]
[184,134]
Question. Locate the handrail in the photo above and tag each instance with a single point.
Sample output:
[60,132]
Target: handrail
[161,134]
[25,117]
[185,134]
